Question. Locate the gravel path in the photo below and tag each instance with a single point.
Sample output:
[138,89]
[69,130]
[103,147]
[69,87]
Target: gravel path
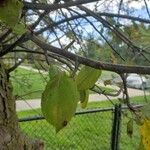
[35,103]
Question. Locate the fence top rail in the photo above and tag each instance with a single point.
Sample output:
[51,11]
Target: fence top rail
[90,111]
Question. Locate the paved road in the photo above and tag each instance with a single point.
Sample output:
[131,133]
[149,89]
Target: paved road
[35,103]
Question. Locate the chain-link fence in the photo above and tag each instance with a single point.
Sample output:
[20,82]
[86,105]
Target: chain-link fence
[88,130]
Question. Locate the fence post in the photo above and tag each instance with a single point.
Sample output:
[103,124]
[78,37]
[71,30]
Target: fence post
[116,128]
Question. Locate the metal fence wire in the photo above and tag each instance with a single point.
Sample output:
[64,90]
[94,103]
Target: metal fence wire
[88,130]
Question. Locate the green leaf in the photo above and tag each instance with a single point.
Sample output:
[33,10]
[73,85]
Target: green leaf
[54,71]
[10,12]
[87,77]
[59,100]
[130,128]
[84,96]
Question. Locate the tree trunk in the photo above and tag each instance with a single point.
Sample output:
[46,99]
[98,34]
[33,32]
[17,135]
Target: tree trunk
[11,137]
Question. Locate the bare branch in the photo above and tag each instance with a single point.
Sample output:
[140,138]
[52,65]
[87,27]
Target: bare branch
[147,9]
[52,7]
[4,35]
[16,65]
[95,64]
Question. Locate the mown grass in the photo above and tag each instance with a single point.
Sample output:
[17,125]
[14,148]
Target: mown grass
[27,84]
[92,132]
[84,132]
[89,131]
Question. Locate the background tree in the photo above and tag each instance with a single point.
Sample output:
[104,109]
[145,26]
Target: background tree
[136,33]
[44,31]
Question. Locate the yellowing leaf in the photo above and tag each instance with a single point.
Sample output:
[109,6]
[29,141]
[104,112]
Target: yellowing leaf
[145,133]
[87,77]
[59,100]
[84,96]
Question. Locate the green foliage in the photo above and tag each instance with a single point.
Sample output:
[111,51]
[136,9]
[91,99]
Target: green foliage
[87,77]
[94,50]
[84,96]
[139,34]
[54,71]
[145,36]
[59,100]
[10,11]
[85,80]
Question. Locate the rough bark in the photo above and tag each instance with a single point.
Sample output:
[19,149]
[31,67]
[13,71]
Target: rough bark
[11,137]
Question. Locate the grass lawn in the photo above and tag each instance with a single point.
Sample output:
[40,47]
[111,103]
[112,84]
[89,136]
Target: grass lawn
[83,132]
[89,131]
[28,84]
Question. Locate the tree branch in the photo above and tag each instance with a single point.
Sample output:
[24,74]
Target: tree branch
[52,7]
[95,64]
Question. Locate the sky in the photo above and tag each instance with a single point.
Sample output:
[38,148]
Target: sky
[113,8]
